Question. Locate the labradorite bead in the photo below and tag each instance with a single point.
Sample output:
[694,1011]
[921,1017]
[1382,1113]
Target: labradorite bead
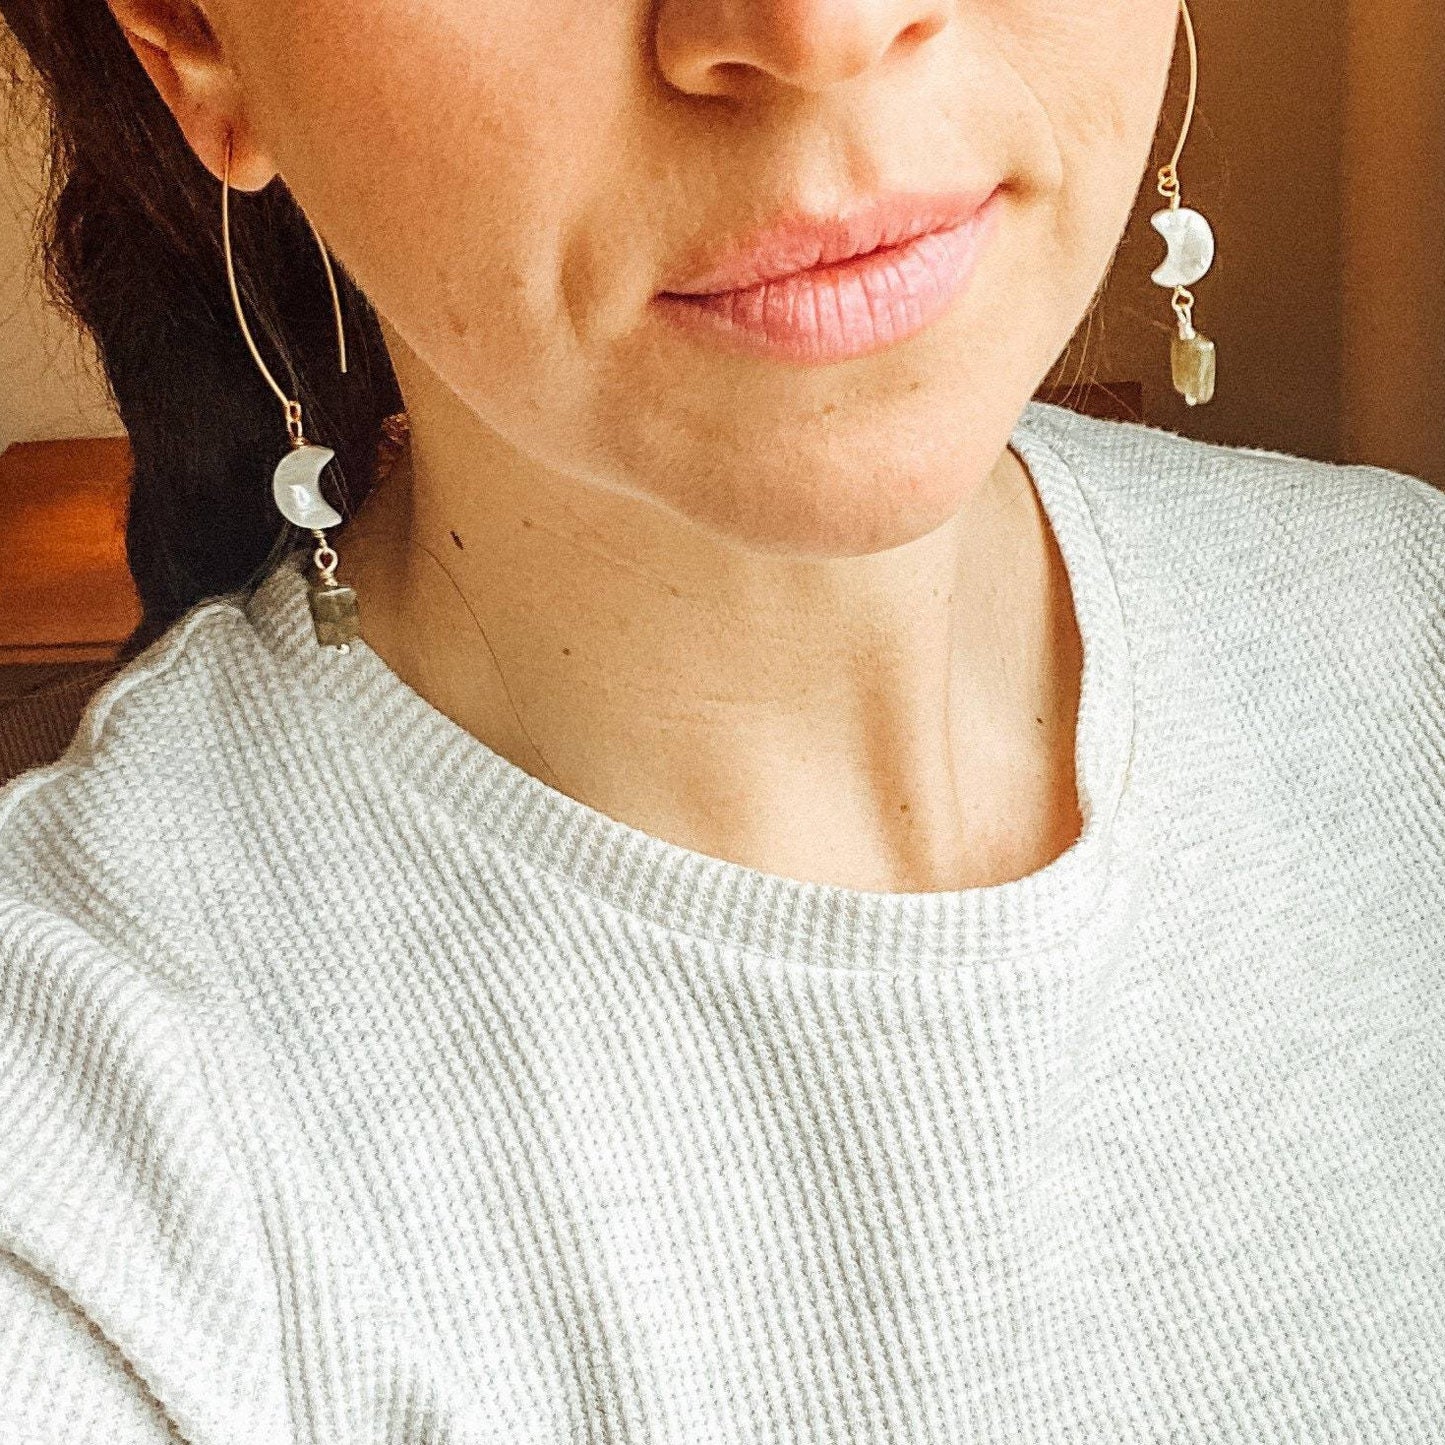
[1193,367]
[335,614]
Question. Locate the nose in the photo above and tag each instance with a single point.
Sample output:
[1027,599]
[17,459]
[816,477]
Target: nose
[723,47]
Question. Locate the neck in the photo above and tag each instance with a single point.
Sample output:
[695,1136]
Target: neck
[900,721]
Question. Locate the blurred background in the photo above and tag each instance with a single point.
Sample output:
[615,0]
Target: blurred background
[1317,152]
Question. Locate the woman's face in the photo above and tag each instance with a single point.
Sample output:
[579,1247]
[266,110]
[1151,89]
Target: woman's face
[512,184]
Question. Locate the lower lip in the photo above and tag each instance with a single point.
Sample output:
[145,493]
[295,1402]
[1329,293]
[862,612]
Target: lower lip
[847,309]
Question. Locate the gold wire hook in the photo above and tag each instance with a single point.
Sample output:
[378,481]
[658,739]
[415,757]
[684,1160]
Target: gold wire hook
[1169,174]
[291,408]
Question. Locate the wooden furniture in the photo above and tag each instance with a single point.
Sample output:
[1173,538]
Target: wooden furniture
[66,598]
[65,591]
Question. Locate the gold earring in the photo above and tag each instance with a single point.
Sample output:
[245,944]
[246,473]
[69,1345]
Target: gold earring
[295,485]
[1191,254]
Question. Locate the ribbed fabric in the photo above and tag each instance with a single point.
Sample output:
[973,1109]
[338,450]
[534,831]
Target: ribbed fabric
[356,1086]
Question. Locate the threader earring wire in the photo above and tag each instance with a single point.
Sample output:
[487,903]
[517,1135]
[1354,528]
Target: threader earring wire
[1191,254]
[295,487]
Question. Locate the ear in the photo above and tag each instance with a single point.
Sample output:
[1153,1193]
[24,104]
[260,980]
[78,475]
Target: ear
[175,43]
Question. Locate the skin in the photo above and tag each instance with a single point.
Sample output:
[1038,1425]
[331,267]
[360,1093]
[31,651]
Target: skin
[812,619]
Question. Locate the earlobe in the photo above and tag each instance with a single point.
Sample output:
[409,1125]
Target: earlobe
[180,53]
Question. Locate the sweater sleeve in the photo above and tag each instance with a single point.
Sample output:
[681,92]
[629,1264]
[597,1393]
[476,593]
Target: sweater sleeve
[138,1302]
[60,1379]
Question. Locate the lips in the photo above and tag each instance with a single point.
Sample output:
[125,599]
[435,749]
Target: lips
[800,241]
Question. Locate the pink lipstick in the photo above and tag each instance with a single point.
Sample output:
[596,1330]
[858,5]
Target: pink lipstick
[823,289]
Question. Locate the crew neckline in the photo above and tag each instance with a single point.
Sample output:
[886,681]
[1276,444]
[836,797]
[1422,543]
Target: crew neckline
[718,900]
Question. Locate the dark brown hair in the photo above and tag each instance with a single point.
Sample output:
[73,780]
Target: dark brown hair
[129,241]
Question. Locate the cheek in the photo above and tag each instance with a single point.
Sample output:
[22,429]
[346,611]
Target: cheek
[1099,66]
[1099,69]
[443,150]
[1109,101]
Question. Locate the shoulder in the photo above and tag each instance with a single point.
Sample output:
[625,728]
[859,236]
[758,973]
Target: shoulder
[1222,511]
[1304,566]
[1285,621]
[132,1256]
[1300,599]
[103,831]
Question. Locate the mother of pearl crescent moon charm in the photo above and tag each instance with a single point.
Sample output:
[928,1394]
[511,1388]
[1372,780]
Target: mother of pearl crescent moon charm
[297,489]
[1191,246]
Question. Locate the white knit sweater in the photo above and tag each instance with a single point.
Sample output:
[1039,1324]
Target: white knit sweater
[356,1086]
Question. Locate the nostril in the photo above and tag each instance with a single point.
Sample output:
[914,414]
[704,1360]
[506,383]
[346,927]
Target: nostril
[924,29]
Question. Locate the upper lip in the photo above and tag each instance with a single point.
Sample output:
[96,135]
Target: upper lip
[799,240]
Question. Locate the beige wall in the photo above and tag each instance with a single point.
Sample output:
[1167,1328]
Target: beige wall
[50,385]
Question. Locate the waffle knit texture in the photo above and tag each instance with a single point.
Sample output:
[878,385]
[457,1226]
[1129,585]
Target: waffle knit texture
[357,1086]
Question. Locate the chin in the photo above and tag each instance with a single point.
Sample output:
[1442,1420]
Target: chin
[829,507]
